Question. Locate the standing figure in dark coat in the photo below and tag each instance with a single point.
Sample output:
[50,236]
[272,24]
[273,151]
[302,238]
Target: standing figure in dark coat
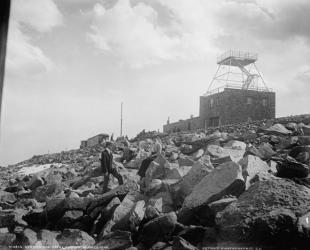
[107,166]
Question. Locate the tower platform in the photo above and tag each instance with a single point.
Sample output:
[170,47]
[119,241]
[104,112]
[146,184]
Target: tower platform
[236,58]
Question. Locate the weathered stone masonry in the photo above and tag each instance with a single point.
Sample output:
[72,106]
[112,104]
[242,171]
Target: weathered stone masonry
[228,107]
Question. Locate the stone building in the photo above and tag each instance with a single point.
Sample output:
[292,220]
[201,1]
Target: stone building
[238,100]
[95,140]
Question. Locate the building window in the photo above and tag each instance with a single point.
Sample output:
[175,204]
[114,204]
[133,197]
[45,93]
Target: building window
[264,102]
[249,100]
[211,103]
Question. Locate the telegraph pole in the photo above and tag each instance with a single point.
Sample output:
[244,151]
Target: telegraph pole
[121,118]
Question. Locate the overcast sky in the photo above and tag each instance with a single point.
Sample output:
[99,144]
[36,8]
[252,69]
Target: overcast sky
[70,64]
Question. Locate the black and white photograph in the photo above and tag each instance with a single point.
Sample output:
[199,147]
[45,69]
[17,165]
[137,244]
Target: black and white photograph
[155,124]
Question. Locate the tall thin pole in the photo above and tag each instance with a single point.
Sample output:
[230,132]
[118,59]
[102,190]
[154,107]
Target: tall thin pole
[4,24]
[122,119]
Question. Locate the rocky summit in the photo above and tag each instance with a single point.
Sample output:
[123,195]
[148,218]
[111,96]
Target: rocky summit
[242,185]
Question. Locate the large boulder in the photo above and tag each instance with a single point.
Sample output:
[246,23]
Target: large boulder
[29,237]
[158,229]
[251,166]
[69,218]
[47,239]
[233,149]
[181,244]
[74,237]
[174,171]
[193,234]
[290,168]
[220,205]
[6,240]
[9,218]
[56,208]
[7,197]
[237,145]
[156,169]
[162,202]
[136,215]
[105,211]
[303,227]
[120,192]
[306,129]
[53,177]
[266,214]
[198,171]
[36,218]
[266,150]
[42,193]
[35,182]
[101,215]
[226,179]
[184,160]
[277,129]
[120,217]
[301,154]
[117,240]
[304,140]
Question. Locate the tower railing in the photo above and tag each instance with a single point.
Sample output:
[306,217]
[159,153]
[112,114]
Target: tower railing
[235,86]
[237,54]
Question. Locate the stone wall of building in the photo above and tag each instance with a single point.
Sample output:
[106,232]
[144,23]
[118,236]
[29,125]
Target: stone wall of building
[228,107]
[236,105]
[184,125]
[95,140]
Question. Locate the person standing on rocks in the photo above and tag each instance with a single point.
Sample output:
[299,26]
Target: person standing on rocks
[157,150]
[107,166]
[158,147]
[128,153]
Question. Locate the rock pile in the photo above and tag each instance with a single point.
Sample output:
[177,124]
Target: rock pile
[246,185]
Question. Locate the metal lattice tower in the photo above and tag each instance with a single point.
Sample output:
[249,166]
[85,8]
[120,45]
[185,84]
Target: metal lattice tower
[237,69]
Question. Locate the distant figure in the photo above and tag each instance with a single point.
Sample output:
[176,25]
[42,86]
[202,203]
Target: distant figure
[107,166]
[128,153]
[158,147]
[157,150]
[112,139]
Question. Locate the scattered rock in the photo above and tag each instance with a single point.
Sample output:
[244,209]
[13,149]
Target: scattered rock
[252,165]
[6,240]
[301,154]
[226,179]
[30,237]
[74,237]
[265,214]
[162,202]
[278,129]
[218,206]
[306,130]
[158,229]
[199,170]
[48,239]
[181,244]
[120,217]
[227,183]
[120,192]
[7,197]
[193,234]
[117,240]
[136,215]
[290,168]
[35,182]
[69,218]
